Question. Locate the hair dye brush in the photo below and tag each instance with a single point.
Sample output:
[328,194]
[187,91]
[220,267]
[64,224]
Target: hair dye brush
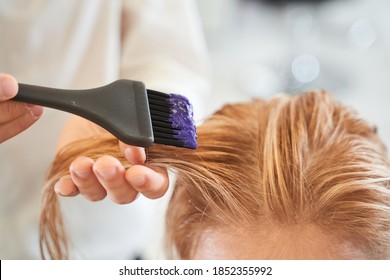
[125,108]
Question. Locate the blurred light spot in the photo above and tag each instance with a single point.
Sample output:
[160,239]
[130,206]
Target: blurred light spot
[305,68]
[362,33]
[259,81]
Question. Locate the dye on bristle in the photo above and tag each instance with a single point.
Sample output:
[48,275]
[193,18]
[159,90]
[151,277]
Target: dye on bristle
[181,117]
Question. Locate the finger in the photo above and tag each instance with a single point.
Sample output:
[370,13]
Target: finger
[111,174]
[152,184]
[12,110]
[134,155]
[8,87]
[66,187]
[14,127]
[85,180]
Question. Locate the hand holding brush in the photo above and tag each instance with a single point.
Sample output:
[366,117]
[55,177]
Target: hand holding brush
[133,114]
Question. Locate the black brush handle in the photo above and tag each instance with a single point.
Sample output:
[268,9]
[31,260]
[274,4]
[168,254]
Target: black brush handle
[121,107]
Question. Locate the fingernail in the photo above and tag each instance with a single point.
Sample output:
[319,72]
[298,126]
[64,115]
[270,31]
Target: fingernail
[107,173]
[57,188]
[134,156]
[129,154]
[83,174]
[36,111]
[8,87]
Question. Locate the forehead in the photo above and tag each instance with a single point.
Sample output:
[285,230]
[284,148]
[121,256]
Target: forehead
[308,242]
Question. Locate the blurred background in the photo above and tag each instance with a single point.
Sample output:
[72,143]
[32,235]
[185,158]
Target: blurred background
[259,48]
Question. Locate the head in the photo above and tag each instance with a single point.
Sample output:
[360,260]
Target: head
[295,177]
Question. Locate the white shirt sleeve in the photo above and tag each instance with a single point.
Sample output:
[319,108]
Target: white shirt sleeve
[163,46]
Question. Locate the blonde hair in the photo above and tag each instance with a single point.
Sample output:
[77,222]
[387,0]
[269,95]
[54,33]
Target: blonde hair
[292,160]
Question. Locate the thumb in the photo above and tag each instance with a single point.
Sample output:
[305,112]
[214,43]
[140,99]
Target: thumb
[8,87]
[133,154]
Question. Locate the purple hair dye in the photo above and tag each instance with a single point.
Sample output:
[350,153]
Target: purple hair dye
[181,117]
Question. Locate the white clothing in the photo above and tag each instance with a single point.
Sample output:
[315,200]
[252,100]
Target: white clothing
[83,44]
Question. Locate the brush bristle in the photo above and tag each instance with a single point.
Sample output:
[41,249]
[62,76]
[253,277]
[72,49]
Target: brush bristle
[172,120]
